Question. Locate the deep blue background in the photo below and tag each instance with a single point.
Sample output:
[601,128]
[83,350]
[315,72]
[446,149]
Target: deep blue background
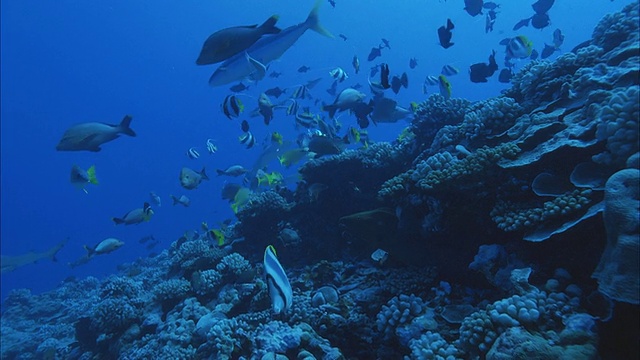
[65,62]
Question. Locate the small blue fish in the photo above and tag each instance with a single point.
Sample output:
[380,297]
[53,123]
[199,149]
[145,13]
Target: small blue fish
[192,153]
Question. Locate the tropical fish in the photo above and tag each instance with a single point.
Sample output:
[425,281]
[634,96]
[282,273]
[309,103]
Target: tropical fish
[234,170]
[276,137]
[490,5]
[449,70]
[332,3]
[292,108]
[445,86]
[275,92]
[519,47]
[542,6]
[229,191]
[190,179]
[397,82]
[244,126]
[232,106]
[192,153]
[228,42]
[182,200]
[265,50]
[292,156]
[558,38]
[374,53]
[275,74]
[386,110]
[505,76]
[247,140]
[413,62]
[339,74]
[265,108]
[385,44]
[356,63]
[547,51]
[343,37]
[479,72]
[300,92]
[445,34]
[333,89]
[280,290]
[10,263]
[89,136]
[155,199]
[104,247]
[259,70]
[306,119]
[240,199]
[345,101]
[490,20]
[323,145]
[303,69]
[268,179]
[240,87]
[473,7]
[135,216]
[80,178]
[211,147]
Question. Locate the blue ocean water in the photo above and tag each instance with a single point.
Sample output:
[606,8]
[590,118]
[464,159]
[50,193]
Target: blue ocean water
[67,62]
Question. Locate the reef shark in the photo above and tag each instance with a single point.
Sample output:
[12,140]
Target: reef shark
[265,50]
[10,263]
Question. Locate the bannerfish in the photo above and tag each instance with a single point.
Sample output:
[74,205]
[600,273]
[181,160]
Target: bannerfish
[232,106]
[192,153]
[234,170]
[345,101]
[339,74]
[445,34]
[190,179]
[104,247]
[89,136]
[80,178]
[244,126]
[182,200]
[449,70]
[266,49]
[247,140]
[211,147]
[280,290]
[135,216]
[227,42]
[519,47]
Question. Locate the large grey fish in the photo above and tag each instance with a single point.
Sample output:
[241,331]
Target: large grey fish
[225,43]
[265,50]
[89,136]
[10,263]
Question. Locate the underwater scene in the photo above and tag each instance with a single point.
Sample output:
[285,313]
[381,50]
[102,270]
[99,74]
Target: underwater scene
[320,179]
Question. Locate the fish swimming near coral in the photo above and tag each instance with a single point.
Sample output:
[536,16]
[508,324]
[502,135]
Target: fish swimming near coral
[265,50]
[104,247]
[280,290]
[89,136]
[227,42]
[10,263]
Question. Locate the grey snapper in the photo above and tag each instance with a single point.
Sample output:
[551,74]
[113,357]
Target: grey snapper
[89,136]
[265,50]
[225,43]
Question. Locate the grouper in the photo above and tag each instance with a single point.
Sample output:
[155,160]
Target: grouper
[265,50]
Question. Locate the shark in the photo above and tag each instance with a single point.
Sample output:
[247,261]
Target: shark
[10,263]
[265,50]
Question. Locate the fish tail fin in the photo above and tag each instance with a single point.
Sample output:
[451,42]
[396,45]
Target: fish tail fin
[117,221]
[125,124]
[313,21]
[54,251]
[204,174]
[90,251]
[269,26]
[330,108]
[91,174]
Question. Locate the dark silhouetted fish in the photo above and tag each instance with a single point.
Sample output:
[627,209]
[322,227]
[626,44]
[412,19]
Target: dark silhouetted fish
[225,43]
[332,3]
[534,54]
[275,74]
[238,87]
[397,82]
[275,92]
[445,34]
[540,21]
[343,37]
[385,44]
[542,6]
[384,76]
[490,21]
[521,23]
[333,89]
[413,62]
[244,126]
[473,7]
[479,72]
[303,69]
[375,52]
[547,51]
[490,5]
[505,76]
